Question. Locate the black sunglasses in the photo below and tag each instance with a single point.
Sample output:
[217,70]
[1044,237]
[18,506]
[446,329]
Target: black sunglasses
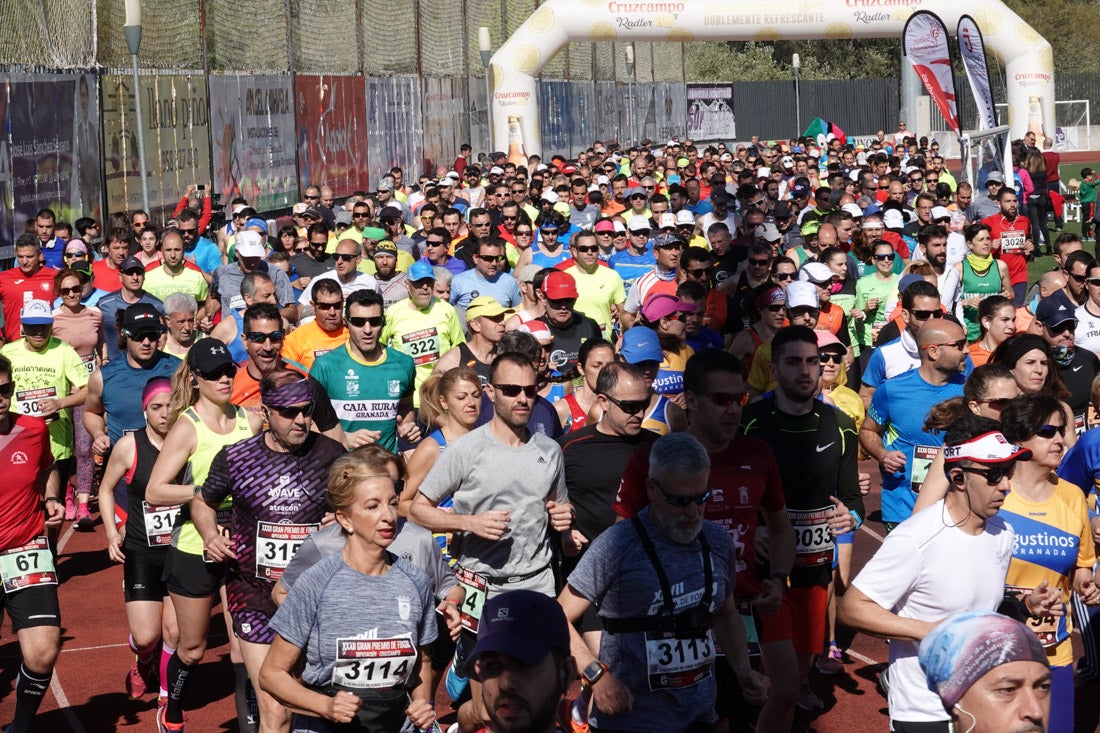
[679,501]
[229,370]
[360,321]
[826,356]
[1049,431]
[344,256]
[992,476]
[922,315]
[512,390]
[885,258]
[258,337]
[145,335]
[781,276]
[630,407]
[293,411]
[726,399]
[7,389]
[998,404]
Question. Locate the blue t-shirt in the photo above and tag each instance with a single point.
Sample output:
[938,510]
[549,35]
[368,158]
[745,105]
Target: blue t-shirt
[1081,464]
[53,253]
[630,266]
[468,285]
[205,254]
[111,304]
[707,338]
[901,405]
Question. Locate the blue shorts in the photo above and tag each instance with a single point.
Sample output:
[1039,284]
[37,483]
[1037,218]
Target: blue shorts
[841,539]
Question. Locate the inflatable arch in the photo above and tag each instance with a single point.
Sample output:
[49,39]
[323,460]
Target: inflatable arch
[1026,56]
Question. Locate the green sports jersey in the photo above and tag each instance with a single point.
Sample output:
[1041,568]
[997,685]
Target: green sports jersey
[53,373]
[366,395]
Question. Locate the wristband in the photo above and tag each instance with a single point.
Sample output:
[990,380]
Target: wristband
[858,519]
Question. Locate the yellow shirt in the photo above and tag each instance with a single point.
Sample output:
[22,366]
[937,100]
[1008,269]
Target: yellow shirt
[1053,539]
[597,292]
[306,343]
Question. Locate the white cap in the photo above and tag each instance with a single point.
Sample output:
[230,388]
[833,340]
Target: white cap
[685,217]
[639,224]
[453,175]
[667,221]
[550,196]
[249,244]
[815,272]
[496,170]
[238,209]
[892,219]
[940,212]
[768,232]
[853,209]
[801,293]
[603,180]
[853,175]
[541,167]
[763,172]
[445,181]
[593,188]
[619,226]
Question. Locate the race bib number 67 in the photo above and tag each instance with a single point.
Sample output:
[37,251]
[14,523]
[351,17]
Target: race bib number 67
[31,564]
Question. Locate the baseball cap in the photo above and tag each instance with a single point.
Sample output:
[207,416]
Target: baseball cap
[298,208]
[1055,309]
[559,285]
[685,218]
[826,340]
[445,181]
[539,330]
[639,224]
[800,189]
[484,305]
[385,247]
[238,208]
[496,170]
[940,212]
[384,185]
[36,313]
[340,216]
[667,221]
[375,234]
[527,273]
[801,293]
[667,239]
[990,447]
[140,315]
[767,232]
[641,344]
[994,177]
[83,267]
[662,304]
[550,196]
[854,210]
[389,212]
[815,272]
[420,270]
[720,196]
[892,219]
[619,228]
[523,624]
[682,162]
[131,263]
[249,244]
[208,355]
[258,222]
[604,226]
[637,192]
[312,211]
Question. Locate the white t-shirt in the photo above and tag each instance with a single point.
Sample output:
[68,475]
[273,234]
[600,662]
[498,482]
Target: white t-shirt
[362,281]
[1087,335]
[928,570]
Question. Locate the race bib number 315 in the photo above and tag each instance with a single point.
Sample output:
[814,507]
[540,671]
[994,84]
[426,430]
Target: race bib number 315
[276,544]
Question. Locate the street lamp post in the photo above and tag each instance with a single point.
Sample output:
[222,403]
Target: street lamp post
[132,29]
[796,62]
[486,45]
[630,89]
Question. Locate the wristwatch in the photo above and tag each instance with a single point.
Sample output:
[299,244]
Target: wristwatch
[593,672]
[781,580]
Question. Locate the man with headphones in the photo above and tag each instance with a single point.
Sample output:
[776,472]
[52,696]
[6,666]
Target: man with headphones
[990,671]
[948,558]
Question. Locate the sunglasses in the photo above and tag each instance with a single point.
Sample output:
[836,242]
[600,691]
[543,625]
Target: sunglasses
[1064,327]
[589,249]
[229,370]
[510,218]
[360,321]
[359,215]
[698,272]
[826,357]
[803,310]
[512,390]
[992,476]
[524,233]
[727,399]
[81,255]
[344,257]
[258,337]
[328,306]
[639,233]
[776,308]
[549,232]
[630,407]
[759,263]
[1049,431]
[681,502]
[487,258]
[998,404]
[781,276]
[7,389]
[139,336]
[70,291]
[885,258]
[960,344]
[1094,281]
[921,315]
[434,243]
[293,411]
[1077,278]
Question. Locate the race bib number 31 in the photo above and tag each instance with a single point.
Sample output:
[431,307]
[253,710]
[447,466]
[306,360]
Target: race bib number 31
[675,662]
[367,664]
[276,544]
[813,539]
[159,521]
[31,564]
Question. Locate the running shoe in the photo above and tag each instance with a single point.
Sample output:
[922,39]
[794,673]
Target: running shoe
[829,664]
[807,700]
[163,726]
[150,672]
[70,504]
[457,685]
[135,683]
[84,521]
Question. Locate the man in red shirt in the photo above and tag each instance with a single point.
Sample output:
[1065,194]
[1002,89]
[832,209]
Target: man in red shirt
[29,593]
[745,483]
[105,272]
[25,282]
[1012,240]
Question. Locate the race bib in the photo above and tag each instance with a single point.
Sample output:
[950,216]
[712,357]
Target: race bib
[276,543]
[29,401]
[88,360]
[1012,242]
[813,539]
[475,585]
[367,664]
[923,455]
[674,662]
[26,566]
[422,345]
[1080,423]
[159,521]
[1050,629]
[224,519]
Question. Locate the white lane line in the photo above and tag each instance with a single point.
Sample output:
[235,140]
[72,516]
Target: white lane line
[55,684]
[872,532]
[856,655]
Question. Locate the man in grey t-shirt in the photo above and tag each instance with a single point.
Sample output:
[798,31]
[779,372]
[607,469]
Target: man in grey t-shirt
[654,670]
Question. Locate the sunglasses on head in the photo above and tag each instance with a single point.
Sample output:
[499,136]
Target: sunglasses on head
[1049,431]
[512,390]
[727,399]
[680,501]
[992,476]
[293,411]
[360,321]
[258,337]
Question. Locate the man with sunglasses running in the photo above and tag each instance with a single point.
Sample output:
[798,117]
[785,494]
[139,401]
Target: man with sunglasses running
[487,278]
[600,291]
[369,384]
[1057,322]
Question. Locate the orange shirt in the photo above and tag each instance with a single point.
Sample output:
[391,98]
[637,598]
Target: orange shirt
[304,344]
[978,354]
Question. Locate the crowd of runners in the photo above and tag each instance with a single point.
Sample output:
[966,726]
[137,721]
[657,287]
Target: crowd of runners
[576,440]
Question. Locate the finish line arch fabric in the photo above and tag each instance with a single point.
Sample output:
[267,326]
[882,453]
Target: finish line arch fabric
[1027,56]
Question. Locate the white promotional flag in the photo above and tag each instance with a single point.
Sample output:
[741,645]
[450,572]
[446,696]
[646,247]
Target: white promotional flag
[972,49]
[924,43]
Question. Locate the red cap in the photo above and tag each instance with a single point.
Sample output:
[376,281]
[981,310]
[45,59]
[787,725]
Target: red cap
[559,286]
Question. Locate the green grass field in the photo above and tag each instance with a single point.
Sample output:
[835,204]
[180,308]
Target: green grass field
[1044,264]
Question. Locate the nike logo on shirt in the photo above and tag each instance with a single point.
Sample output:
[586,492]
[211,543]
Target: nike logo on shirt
[825,447]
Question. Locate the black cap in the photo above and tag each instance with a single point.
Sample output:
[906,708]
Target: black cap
[208,355]
[389,212]
[140,316]
[131,263]
[782,210]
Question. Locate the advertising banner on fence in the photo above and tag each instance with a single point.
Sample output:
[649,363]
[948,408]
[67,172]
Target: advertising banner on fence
[446,120]
[54,152]
[394,129]
[252,122]
[924,43]
[972,50]
[332,137]
[177,140]
[710,112]
[6,234]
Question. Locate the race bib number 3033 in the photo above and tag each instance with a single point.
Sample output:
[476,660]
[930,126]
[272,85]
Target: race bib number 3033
[813,538]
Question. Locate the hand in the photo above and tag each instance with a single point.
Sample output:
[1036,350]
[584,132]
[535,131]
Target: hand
[489,525]
[101,444]
[864,483]
[359,438]
[841,520]
[219,548]
[754,686]
[561,516]
[1029,247]
[679,400]
[342,707]
[114,547]
[858,314]
[573,543]
[421,714]
[611,696]
[327,519]
[1045,601]
[872,304]
[769,598]
[893,461]
[206,323]
[55,512]
[452,618]
[190,189]
[408,430]
[48,406]
[1086,587]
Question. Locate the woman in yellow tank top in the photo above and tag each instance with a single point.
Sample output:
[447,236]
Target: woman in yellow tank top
[204,422]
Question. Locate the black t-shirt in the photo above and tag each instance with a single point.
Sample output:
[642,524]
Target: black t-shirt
[594,465]
[725,266]
[306,266]
[568,340]
[1078,376]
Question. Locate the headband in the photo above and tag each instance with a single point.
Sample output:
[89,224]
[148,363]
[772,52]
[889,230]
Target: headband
[294,393]
[154,387]
[990,447]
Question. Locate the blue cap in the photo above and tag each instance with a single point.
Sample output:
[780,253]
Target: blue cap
[523,624]
[1054,309]
[420,270]
[256,222]
[800,190]
[641,344]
